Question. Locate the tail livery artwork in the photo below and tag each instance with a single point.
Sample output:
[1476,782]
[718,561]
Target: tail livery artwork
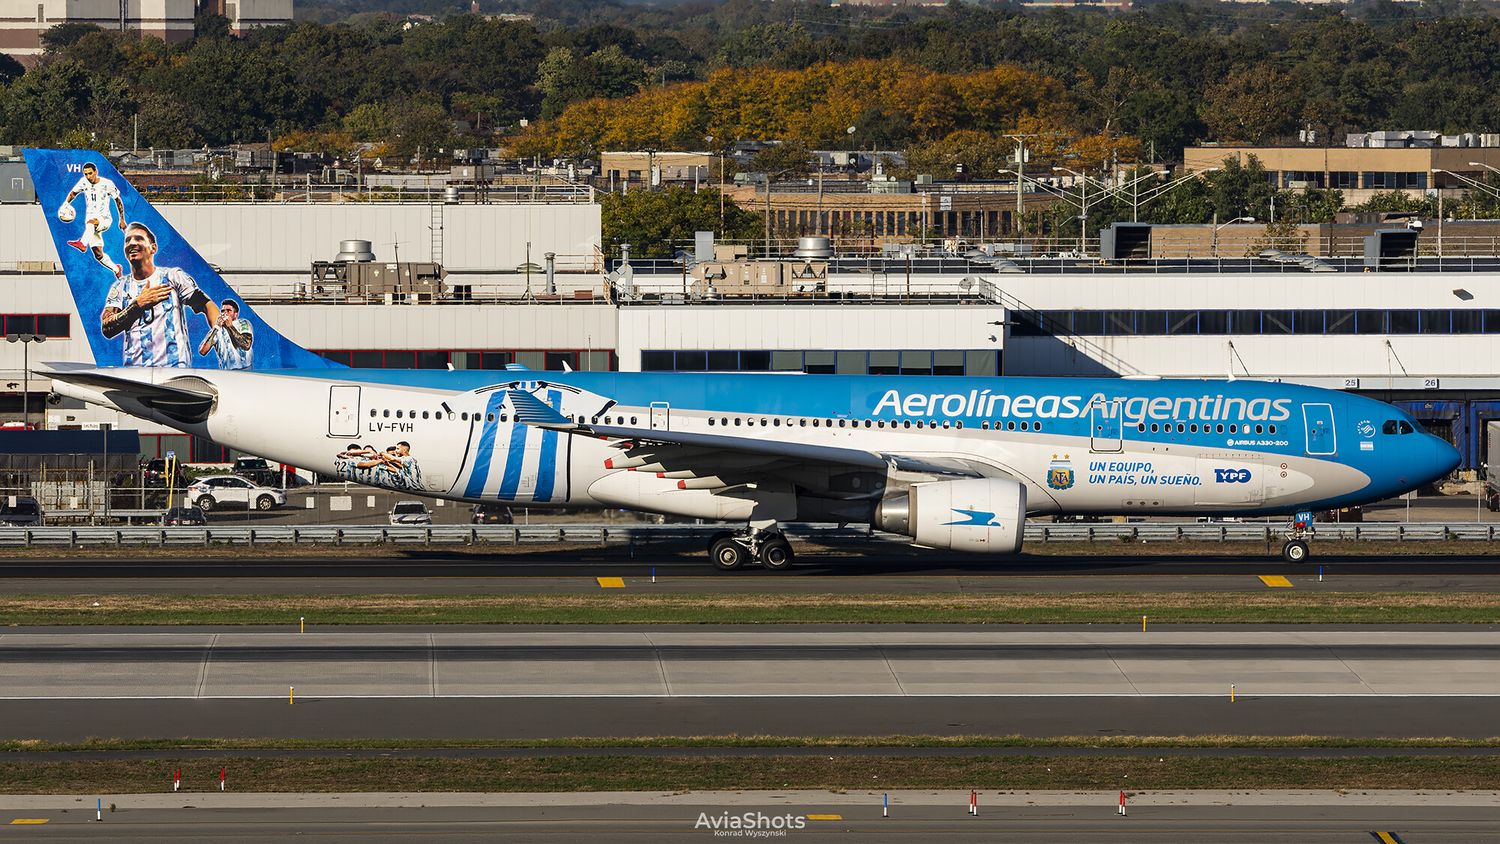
[955,463]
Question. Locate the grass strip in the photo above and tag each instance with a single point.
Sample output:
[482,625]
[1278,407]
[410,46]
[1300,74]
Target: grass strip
[624,773]
[1271,607]
[114,745]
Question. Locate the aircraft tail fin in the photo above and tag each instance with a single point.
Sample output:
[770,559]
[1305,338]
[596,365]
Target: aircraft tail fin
[145,297]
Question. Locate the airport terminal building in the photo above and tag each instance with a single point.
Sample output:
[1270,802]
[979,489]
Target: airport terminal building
[521,279]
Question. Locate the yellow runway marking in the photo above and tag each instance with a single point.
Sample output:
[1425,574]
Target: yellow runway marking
[1275,580]
[29,820]
[611,582]
[825,817]
[1387,838]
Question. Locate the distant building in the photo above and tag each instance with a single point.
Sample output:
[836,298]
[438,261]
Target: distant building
[1411,162]
[638,169]
[23,22]
[245,15]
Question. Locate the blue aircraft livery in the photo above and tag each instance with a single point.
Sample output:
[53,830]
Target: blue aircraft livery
[145,297]
[954,463]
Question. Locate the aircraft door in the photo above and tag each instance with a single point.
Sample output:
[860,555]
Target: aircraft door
[1317,421]
[343,411]
[661,416]
[1106,434]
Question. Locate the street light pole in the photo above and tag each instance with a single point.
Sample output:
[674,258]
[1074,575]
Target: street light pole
[26,340]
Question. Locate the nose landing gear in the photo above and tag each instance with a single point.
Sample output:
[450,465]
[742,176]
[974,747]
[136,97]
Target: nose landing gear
[1295,550]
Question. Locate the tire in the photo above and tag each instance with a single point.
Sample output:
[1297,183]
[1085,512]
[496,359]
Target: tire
[265,502]
[1295,552]
[776,555]
[205,503]
[727,554]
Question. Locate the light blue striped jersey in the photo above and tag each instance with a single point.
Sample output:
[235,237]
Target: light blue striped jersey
[160,336]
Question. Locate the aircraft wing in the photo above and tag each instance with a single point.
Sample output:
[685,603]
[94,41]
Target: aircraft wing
[729,456]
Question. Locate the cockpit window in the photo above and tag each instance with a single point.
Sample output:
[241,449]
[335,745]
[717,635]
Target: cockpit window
[1397,426]
[1389,427]
[1406,428]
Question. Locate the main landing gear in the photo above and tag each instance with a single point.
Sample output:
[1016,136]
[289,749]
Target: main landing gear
[730,551]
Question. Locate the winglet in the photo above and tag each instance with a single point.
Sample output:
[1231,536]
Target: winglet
[531,410]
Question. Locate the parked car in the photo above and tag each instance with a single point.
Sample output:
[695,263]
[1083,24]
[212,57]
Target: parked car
[154,474]
[25,512]
[220,490]
[410,513]
[185,516]
[491,514]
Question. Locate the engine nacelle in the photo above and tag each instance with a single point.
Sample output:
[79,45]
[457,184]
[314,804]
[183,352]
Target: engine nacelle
[976,515]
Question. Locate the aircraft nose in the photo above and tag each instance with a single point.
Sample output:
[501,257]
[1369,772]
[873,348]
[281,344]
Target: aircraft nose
[1444,457]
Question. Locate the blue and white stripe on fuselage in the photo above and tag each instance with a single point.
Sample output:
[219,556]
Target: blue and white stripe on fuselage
[510,462]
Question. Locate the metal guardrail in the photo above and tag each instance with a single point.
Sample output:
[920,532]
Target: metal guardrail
[593,534]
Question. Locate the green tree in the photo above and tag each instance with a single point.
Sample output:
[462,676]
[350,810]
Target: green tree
[652,221]
[368,122]
[1387,202]
[1251,105]
[47,102]
[420,128]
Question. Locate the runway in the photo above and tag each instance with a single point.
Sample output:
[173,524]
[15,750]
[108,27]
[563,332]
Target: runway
[1189,817]
[790,680]
[571,572]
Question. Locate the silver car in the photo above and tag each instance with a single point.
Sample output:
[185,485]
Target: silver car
[410,513]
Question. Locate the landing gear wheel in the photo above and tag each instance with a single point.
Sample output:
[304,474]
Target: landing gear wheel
[1294,551]
[776,554]
[727,554]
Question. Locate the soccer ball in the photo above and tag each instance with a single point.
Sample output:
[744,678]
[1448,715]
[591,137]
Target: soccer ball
[66,214]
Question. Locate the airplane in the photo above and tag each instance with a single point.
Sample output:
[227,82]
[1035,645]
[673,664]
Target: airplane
[954,463]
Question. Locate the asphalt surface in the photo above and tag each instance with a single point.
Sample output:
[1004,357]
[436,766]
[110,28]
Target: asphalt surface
[881,572]
[616,817]
[651,681]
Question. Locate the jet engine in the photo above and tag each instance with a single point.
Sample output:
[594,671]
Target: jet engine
[976,515]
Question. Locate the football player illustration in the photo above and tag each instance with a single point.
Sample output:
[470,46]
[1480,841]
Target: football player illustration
[230,338]
[99,194]
[148,306]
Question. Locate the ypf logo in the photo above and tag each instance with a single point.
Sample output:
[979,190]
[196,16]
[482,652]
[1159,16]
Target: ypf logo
[1231,476]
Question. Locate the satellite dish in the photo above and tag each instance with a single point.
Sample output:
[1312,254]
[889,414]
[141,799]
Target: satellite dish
[966,283]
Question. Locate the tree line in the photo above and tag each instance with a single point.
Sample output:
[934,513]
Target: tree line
[1165,75]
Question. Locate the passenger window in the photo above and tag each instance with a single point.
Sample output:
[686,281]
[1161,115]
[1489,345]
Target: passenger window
[385,413]
[372,412]
[398,414]
[1219,429]
[1272,429]
[1193,428]
[424,414]
[490,417]
[1010,426]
